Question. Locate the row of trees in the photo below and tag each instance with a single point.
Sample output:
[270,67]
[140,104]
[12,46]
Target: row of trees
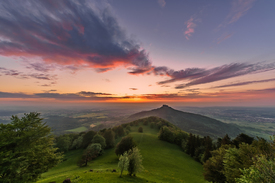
[197,147]
[84,139]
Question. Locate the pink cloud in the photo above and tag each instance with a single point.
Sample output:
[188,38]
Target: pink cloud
[190,25]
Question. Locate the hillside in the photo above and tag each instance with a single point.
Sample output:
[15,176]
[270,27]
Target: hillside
[162,161]
[189,122]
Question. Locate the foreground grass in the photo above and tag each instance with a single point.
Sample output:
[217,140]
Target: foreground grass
[163,162]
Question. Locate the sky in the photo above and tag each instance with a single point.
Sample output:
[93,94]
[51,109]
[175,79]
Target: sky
[201,53]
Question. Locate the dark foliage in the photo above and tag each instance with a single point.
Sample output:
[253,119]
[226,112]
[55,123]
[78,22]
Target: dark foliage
[140,129]
[87,138]
[26,149]
[242,138]
[125,144]
[109,136]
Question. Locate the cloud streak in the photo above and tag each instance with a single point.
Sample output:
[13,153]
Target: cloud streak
[68,33]
[223,38]
[267,94]
[226,72]
[238,9]
[21,75]
[245,83]
[133,88]
[196,76]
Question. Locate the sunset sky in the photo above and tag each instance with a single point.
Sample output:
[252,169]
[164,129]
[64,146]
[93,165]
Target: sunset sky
[195,52]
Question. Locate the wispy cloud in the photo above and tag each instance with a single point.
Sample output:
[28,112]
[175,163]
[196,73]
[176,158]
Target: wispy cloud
[162,3]
[244,83]
[190,27]
[48,91]
[107,80]
[192,23]
[51,94]
[21,75]
[133,88]
[68,33]
[196,76]
[238,9]
[224,37]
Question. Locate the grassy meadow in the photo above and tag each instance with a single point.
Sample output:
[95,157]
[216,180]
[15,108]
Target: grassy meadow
[162,161]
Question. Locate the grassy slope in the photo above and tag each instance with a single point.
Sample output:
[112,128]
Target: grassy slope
[163,162]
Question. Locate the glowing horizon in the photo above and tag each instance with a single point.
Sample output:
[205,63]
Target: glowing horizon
[107,51]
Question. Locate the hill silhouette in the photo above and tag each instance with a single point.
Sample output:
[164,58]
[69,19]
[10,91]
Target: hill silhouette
[190,122]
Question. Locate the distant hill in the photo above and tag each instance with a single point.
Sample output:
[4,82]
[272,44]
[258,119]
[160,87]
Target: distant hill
[189,122]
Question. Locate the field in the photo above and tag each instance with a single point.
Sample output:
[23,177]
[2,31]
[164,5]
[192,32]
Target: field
[163,162]
[92,115]
[79,129]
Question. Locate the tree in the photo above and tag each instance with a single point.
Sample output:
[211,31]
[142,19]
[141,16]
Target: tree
[236,160]
[226,140]
[123,162]
[125,144]
[109,136]
[77,142]
[63,143]
[140,129]
[166,134]
[119,131]
[26,149]
[135,162]
[91,152]
[87,138]
[180,136]
[262,171]
[99,139]
[214,167]
[242,138]
[208,147]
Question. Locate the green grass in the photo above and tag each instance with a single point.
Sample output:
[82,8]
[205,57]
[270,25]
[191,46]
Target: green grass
[162,161]
[79,129]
